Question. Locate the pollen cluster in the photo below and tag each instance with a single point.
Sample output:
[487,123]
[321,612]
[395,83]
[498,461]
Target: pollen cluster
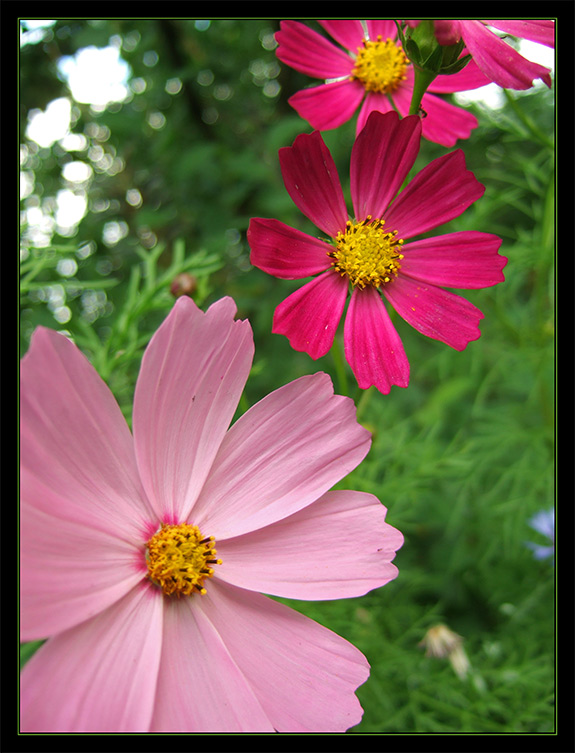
[179,559]
[366,254]
[379,65]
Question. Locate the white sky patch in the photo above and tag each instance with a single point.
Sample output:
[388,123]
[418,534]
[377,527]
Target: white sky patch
[47,127]
[96,75]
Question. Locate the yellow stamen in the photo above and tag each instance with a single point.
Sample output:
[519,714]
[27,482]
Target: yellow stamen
[366,254]
[180,558]
[379,65]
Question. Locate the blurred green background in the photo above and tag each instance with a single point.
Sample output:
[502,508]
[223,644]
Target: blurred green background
[147,191]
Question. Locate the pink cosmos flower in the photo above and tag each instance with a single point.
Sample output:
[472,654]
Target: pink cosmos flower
[148,627]
[368,253]
[500,62]
[371,68]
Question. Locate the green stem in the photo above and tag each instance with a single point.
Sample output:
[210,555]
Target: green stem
[421,82]
[340,369]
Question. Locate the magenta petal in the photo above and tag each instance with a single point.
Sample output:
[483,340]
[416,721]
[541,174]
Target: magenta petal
[280,456]
[313,554]
[500,61]
[446,123]
[192,376]
[373,348]
[200,686]
[99,676]
[311,179]
[381,157]
[92,476]
[383,28]
[441,191]
[471,77]
[284,252]
[540,30]
[329,105]
[307,51]
[309,317]
[347,32]
[304,675]
[435,312]
[457,260]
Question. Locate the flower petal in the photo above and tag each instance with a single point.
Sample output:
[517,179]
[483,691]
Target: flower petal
[381,157]
[70,570]
[99,676]
[444,189]
[373,348]
[457,260]
[309,317]
[446,123]
[285,252]
[471,77]
[307,51]
[347,32]
[540,30]
[281,455]
[91,477]
[329,105]
[383,28]
[191,379]
[374,102]
[303,674]
[311,179]
[317,552]
[435,312]
[500,61]
[200,687]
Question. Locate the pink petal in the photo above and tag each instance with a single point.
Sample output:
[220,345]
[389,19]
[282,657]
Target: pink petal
[309,317]
[99,676]
[444,189]
[311,179]
[75,441]
[70,570]
[373,348]
[374,102]
[435,312]
[540,30]
[347,32]
[498,60]
[192,375]
[317,553]
[329,105]
[446,123]
[281,455]
[381,157]
[383,28]
[200,687]
[457,260]
[471,77]
[284,252]
[309,52]
[303,674]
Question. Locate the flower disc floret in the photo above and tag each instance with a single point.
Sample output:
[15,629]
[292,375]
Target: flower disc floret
[380,66]
[179,559]
[367,254]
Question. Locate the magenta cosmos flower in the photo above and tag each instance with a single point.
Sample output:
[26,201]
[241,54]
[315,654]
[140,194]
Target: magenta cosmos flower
[501,63]
[374,69]
[368,253]
[149,627]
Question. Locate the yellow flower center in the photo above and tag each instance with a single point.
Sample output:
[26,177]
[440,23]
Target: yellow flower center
[179,559]
[379,65]
[366,253]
